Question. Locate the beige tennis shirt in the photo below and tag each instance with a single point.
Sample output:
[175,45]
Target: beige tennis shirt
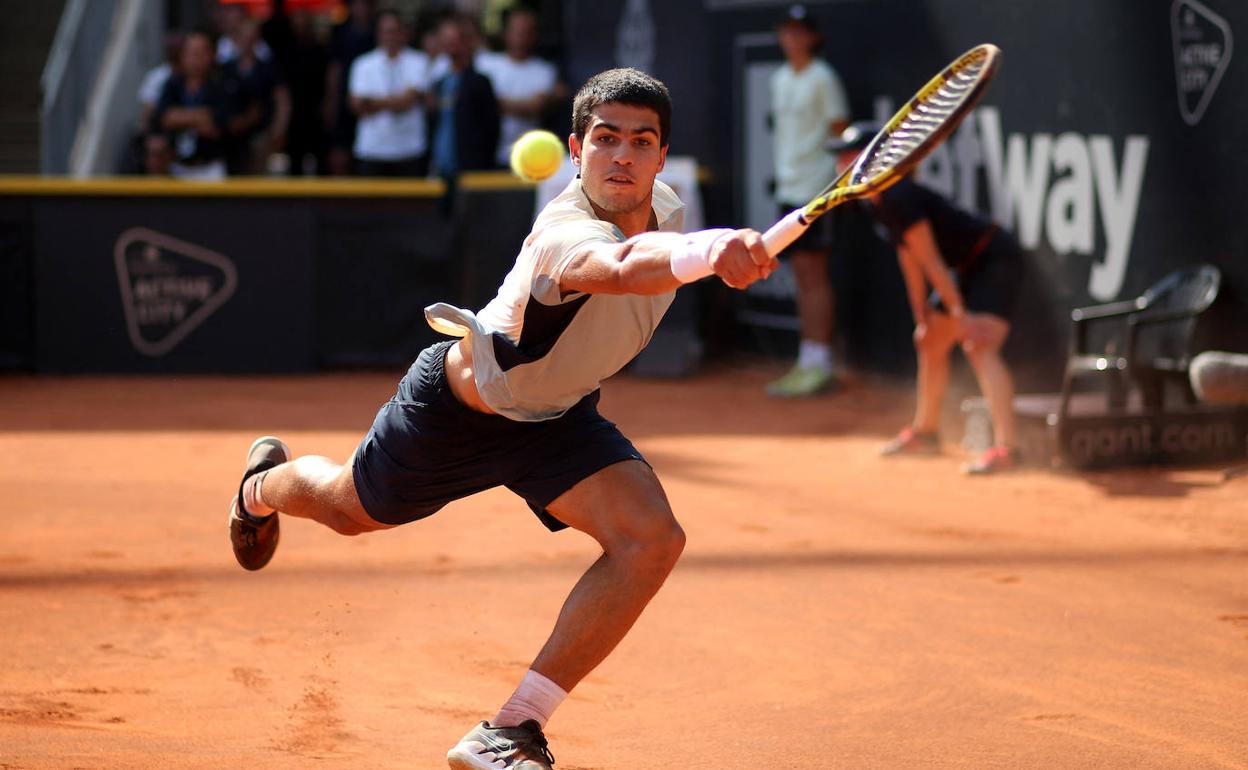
[536,350]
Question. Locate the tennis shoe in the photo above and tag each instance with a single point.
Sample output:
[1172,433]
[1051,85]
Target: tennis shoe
[522,747]
[801,382]
[255,537]
[995,460]
[911,442]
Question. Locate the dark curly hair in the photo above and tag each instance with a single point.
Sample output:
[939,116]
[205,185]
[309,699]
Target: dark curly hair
[625,86]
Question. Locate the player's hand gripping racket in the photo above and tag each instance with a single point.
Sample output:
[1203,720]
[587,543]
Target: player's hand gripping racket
[925,121]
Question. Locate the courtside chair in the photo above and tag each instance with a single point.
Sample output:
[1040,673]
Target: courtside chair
[1146,341]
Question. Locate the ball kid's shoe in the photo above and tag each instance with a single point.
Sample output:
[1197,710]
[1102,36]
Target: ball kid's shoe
[255,538]
[911,442]
[995,460]
[522,747]
[801,382]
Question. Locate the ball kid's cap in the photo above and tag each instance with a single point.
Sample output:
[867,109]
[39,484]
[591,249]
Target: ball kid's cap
[797,14]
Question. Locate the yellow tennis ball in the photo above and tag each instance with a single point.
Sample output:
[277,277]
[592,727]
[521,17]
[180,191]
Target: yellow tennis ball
[536,155]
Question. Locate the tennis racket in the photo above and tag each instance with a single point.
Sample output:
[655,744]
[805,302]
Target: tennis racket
[923,123]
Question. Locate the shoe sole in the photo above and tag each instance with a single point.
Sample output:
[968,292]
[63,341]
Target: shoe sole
[462,758]
[822,390]
[263,440]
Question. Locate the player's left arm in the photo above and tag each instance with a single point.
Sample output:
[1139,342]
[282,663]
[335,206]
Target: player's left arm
[656,263]
[919,244]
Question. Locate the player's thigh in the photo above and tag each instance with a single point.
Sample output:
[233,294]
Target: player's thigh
[810,267]
[621,504]
[346,498]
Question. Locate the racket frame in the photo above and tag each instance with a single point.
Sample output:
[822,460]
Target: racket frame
[843,188]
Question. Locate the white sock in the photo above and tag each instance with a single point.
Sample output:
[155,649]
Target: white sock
[814,355]
[536,698]
[252,499]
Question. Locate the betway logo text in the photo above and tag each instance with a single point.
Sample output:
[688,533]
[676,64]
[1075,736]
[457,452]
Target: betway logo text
[1059,189]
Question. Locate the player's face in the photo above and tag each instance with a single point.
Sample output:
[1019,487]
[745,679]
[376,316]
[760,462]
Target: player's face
[520,36]
[390,34]
[845,159]
[797,42]
[197,56]
[620,156]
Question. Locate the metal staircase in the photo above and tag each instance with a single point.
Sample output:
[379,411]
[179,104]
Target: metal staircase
[26,33]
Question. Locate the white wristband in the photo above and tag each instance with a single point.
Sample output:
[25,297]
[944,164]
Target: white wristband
[694,260]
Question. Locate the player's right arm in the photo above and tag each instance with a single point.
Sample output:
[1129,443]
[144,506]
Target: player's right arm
[656,263]
[919,244]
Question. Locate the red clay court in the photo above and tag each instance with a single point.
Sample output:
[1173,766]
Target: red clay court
[871,614]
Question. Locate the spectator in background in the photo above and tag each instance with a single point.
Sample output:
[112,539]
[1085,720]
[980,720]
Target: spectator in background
[465,118]
[192,112]
[259,104]
[474,39]
[156,154]
[229,21]
[308,61]
[524,84]
[154,81]
[350,40]
[425,32]
[808,106]
[388,87]
[278,33]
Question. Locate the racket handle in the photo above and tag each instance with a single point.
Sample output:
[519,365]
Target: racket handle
[784,232]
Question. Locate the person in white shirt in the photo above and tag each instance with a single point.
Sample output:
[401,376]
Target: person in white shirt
[387,89]
[809,107]
[525,85]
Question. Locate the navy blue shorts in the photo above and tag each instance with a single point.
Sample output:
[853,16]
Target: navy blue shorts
[991,284]
[426,449]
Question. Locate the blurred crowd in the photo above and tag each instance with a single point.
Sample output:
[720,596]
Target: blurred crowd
[366,90]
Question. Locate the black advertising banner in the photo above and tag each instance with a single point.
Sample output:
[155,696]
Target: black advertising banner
[1111,143]
[172,286]
[16,286]
[381,262]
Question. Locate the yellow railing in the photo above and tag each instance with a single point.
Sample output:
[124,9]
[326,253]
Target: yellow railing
[251,187]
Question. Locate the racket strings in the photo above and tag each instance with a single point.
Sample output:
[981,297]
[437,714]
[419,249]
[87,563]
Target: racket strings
[926,117]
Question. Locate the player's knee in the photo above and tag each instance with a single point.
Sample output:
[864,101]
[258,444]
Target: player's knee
[341,524]
[657,547]
[980,351]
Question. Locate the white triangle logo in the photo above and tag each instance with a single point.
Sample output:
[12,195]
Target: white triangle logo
[1202,52]
[168,287]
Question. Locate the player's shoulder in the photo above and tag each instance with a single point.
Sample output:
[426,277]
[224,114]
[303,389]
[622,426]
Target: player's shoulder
[412,56]
[667,205]
[368,62]
[821,70]
[545,68]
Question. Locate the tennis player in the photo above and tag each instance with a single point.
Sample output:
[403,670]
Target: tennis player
[962,274]
[514,403]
